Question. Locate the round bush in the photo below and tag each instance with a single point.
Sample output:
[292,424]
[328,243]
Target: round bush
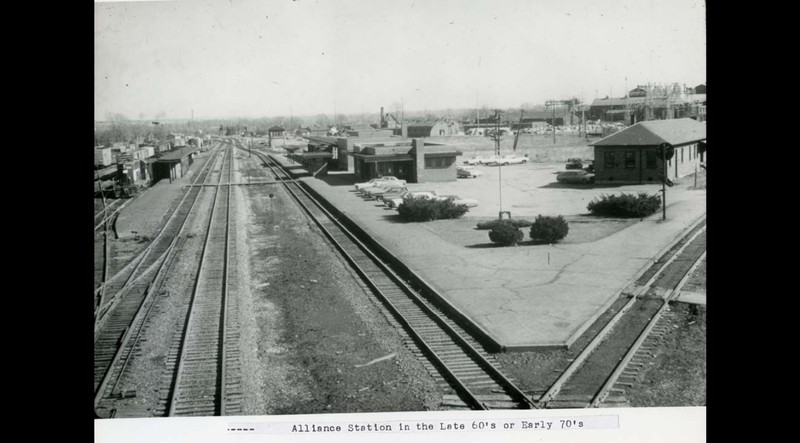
[625,205]
[549,229]
[422,210]
[505,234]
[516,222]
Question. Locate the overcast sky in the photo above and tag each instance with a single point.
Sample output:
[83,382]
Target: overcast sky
[232,58]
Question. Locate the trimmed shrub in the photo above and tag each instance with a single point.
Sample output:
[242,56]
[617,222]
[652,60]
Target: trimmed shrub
[516,222]
[549,229]
[505,233]
[424,209]
[625,205]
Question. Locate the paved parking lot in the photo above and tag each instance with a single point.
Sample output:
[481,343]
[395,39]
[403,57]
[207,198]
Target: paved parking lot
[527,296]
[527,190]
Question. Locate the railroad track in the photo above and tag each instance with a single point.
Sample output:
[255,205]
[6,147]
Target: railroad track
[120,318]
[110,209]
[472,374]
[187,373]
[207,376]
[614,356]
[129,278]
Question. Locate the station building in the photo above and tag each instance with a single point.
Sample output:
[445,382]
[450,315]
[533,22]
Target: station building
[413,160]
[629,156]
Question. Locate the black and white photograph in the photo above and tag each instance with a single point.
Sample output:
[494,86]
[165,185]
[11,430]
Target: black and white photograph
[323,214]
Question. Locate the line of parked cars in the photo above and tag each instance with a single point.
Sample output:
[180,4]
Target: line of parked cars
[392,192]
[496,160]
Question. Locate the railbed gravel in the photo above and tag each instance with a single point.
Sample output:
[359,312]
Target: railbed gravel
[315,324]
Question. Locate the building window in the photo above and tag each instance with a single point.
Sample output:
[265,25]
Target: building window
[650,160]
[681,155]
[438,162]
[609,160]
[630,160]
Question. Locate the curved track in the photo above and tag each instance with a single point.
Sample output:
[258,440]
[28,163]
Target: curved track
[470,371]
[122,315]
[116,286]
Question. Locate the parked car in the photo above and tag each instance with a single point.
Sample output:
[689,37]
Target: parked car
[507,160]
[574,163]
[575,176]
[478,160]
[390,193]
[375,191]
[468,202]
[379,180]
[397,201]
[467,172]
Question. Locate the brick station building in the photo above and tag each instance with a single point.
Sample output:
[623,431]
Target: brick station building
[629,156]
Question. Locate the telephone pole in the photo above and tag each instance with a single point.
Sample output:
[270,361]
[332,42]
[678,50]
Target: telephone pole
[553,103]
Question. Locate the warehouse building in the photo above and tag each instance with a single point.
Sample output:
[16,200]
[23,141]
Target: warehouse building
[630,156]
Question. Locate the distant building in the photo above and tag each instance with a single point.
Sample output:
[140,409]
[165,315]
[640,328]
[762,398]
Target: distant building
[369,132]
[276,132]
[103,156]
[430,129]
[303,132]
[630,157]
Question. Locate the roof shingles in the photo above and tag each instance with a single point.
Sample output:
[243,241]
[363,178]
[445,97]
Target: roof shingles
[654,132]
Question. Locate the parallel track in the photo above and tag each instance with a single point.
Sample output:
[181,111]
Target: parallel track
[123,281]
[470,371]
[579,386]
[207,378]
[118,320]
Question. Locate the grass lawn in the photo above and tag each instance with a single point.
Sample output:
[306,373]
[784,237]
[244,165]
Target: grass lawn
[582,229]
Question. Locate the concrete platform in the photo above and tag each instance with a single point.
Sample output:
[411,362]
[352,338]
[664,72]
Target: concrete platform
[695,298]
[145,214]
[525,297]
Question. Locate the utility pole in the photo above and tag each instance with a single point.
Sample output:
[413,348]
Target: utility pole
[553,103]
[519,129]
[497,153]
[583,117]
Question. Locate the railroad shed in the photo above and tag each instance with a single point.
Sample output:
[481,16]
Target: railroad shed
[173,164]
[629,156]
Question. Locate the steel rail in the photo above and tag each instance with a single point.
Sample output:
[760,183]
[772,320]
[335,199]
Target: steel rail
[461,343]
[175,396]
[131,280]
[595,342]
[201,174]
[623,364]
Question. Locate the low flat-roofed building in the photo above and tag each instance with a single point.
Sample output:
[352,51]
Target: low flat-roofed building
[412,160]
